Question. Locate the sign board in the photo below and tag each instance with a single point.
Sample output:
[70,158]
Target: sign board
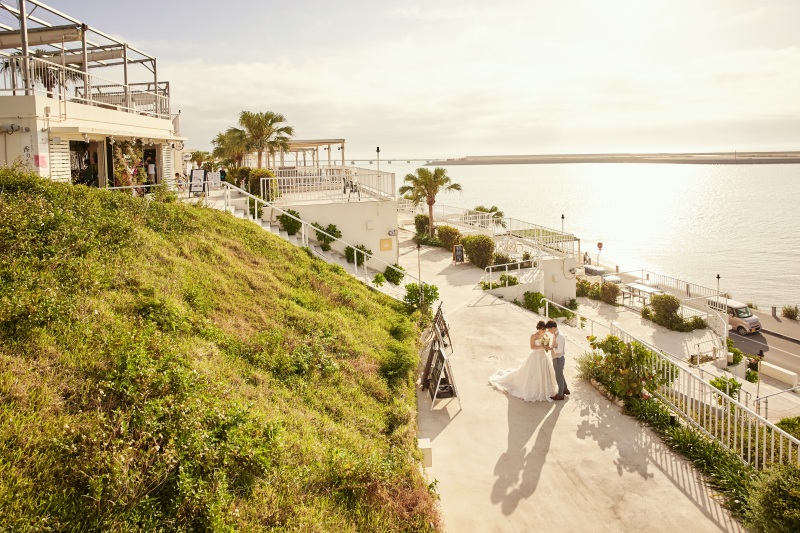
[442,329]
[197,180]
[441,383]
[599,245]
[458,253]
[213,180]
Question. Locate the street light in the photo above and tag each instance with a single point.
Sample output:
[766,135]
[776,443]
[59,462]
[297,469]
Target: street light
[378,152]
[562,222]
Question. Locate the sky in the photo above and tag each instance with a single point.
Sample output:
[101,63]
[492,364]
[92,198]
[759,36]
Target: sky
[457,78]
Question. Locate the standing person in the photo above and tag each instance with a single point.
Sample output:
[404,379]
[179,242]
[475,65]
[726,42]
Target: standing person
[534,380]
[557,351]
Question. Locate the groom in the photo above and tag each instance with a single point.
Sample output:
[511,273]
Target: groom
[557,353]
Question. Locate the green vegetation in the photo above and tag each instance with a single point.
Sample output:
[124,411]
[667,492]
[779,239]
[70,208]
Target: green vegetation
[357,257]
[327,235]
[505,281]
[496,214]
[663,310]
[790,311]
[394,274]
[290,221]
[730,386]
[605,292]
[422,300]
[449,236]
[767,501]
[165,367]
[479,249]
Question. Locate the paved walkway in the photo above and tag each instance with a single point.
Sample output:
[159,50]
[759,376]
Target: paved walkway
[506,465]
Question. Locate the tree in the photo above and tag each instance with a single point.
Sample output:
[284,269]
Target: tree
[200,157]
[230,147]
[497,215]
[264,132]
[425,185]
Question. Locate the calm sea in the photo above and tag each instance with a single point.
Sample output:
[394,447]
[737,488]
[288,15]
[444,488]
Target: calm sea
[688,221]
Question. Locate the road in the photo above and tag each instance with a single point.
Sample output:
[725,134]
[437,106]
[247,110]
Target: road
[780,352]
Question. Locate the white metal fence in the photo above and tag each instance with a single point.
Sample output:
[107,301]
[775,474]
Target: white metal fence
[471,221]
[71,85]
[727,420]
[334,183]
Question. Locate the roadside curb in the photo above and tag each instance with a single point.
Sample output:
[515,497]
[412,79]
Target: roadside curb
[781,335]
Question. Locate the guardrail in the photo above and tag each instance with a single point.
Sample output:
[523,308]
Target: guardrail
[731,423]
[307,229]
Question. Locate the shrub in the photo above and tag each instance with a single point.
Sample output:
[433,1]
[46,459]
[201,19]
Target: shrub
[751,376]
[378,280]
[239,176]
[290,221]
[421,223]
[430,293]
[505,281]
[449,236]
[774,500]
[738,355]
[351,255]
[397,363]
[609,293]
[582,287]
[790,311]
[532,301]
[664,311]
[326,240]
[428,240]
[790,426]
[253,179]
[500,258]
[394,274]
[729,386]
[622,367]
[572,304]
[479,249]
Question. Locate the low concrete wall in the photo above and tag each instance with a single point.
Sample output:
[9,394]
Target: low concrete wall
[781,374]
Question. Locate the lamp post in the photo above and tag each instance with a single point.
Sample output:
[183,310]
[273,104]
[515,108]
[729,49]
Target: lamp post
[378,158]
[562,230]
[419,274]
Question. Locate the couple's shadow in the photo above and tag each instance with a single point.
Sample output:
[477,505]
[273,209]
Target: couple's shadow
[518,470]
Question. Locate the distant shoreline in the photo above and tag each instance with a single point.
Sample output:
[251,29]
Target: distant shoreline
[708,158]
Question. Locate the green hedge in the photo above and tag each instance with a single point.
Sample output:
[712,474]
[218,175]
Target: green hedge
[479,249]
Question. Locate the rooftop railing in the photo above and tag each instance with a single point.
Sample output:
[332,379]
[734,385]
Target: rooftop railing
[334,184]
[72,85]
[468,220]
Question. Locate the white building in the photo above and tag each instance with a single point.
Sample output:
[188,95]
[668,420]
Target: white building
[69,92]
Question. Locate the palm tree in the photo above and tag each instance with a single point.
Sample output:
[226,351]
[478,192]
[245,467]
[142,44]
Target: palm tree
[231,146]
[200,157]
[264,133]
[497,215]
[425,185]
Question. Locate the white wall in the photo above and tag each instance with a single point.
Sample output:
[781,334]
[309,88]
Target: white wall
[559,282]
[364,223]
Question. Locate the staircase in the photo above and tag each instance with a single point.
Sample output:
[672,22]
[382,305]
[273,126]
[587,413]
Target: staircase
[235,202]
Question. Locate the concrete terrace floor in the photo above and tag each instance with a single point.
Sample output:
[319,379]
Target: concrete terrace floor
[502,464]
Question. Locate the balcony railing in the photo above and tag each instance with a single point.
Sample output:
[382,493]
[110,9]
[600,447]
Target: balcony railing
[71,85]
[331,184]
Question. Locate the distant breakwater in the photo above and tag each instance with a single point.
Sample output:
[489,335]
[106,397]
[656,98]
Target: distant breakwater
[705,158]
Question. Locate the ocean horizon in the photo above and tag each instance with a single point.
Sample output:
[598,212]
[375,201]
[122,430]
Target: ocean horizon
[688,221]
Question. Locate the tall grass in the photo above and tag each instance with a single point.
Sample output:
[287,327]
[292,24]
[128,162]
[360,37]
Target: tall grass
[165,367]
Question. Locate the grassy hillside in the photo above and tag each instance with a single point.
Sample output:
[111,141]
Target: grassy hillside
[166,367]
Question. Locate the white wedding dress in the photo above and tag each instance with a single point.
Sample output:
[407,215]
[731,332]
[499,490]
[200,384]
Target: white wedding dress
[533,381]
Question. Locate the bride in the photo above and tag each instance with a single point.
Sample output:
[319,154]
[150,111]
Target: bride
[535,379]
